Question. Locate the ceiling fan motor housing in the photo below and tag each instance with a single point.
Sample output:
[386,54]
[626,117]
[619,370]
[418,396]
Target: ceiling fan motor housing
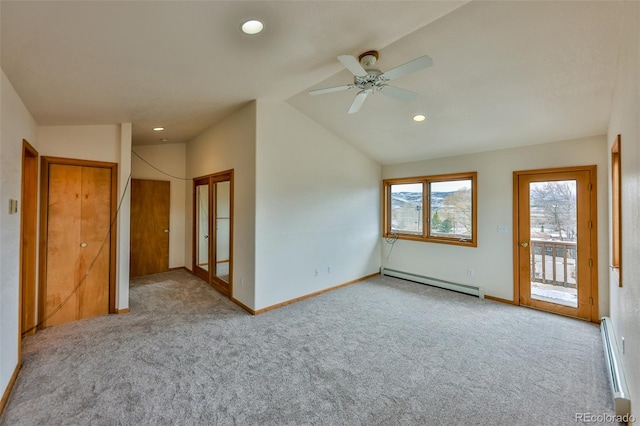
[372,81]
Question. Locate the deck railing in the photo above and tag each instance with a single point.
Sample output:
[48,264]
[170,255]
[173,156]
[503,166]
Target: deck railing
[553,262]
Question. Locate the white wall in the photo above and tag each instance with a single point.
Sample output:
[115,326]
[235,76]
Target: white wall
[110,143]
[317,205]
[229,144]
[171,159]
[97,143]
[625,119]
[492,260]
[17,124]
[124,217]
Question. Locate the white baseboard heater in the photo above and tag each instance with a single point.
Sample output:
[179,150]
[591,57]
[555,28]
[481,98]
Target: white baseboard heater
[460,288]
[618,383]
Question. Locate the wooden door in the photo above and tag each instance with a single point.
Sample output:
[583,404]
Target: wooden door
[556,241]
[149,227]
[78,265]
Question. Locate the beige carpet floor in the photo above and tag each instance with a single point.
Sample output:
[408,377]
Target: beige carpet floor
[379,352]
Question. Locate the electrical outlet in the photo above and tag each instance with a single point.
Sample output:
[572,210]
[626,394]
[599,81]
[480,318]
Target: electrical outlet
[317,272]
[470,272]
[623,346]
[329,269]
[502,229]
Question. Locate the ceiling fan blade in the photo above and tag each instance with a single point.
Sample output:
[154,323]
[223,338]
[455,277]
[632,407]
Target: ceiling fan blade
[358,101]
[398,93]
[411,66]
[330,89]
[352,65]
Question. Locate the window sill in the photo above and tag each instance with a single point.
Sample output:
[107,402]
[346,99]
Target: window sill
[437,240]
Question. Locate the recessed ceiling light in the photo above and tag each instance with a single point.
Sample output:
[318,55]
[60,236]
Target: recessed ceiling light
[419,118]
[158,129]
[252,26]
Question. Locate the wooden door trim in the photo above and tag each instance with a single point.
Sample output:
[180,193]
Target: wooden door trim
[616,210]
[213,233]
[44,213]
[593,213]
[231,216]
[516,236]
[28,227]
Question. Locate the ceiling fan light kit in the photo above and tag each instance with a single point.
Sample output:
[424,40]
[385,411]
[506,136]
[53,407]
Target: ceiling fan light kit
[368,59]
[370,80]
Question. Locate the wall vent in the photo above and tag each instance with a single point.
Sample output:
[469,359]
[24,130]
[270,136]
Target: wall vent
[448,285]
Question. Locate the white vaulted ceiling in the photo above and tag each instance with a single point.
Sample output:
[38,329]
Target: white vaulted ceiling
[504,73]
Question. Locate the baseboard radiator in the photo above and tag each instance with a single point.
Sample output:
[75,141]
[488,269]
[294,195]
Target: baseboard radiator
[460,288]
[619,388]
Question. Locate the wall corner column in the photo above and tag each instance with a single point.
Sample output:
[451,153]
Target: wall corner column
[124,218]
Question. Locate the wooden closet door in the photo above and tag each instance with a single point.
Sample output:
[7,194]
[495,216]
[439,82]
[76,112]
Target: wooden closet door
[93,295]
[63,242]
[79,211]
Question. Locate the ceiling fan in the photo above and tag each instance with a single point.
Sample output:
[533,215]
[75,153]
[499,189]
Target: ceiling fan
[370,80]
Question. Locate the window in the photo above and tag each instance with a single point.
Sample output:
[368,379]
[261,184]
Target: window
[440,209]
[616,234]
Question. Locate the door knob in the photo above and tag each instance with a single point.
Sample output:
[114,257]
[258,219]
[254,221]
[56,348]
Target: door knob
[524,244]
[83,245]
[166,230]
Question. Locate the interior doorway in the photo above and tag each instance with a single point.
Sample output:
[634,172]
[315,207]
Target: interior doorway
[555,248]
[213,230]
[28,238]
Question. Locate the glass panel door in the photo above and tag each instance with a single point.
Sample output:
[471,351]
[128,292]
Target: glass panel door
[201,237]
[556,244]
[222,192]
[213,230]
